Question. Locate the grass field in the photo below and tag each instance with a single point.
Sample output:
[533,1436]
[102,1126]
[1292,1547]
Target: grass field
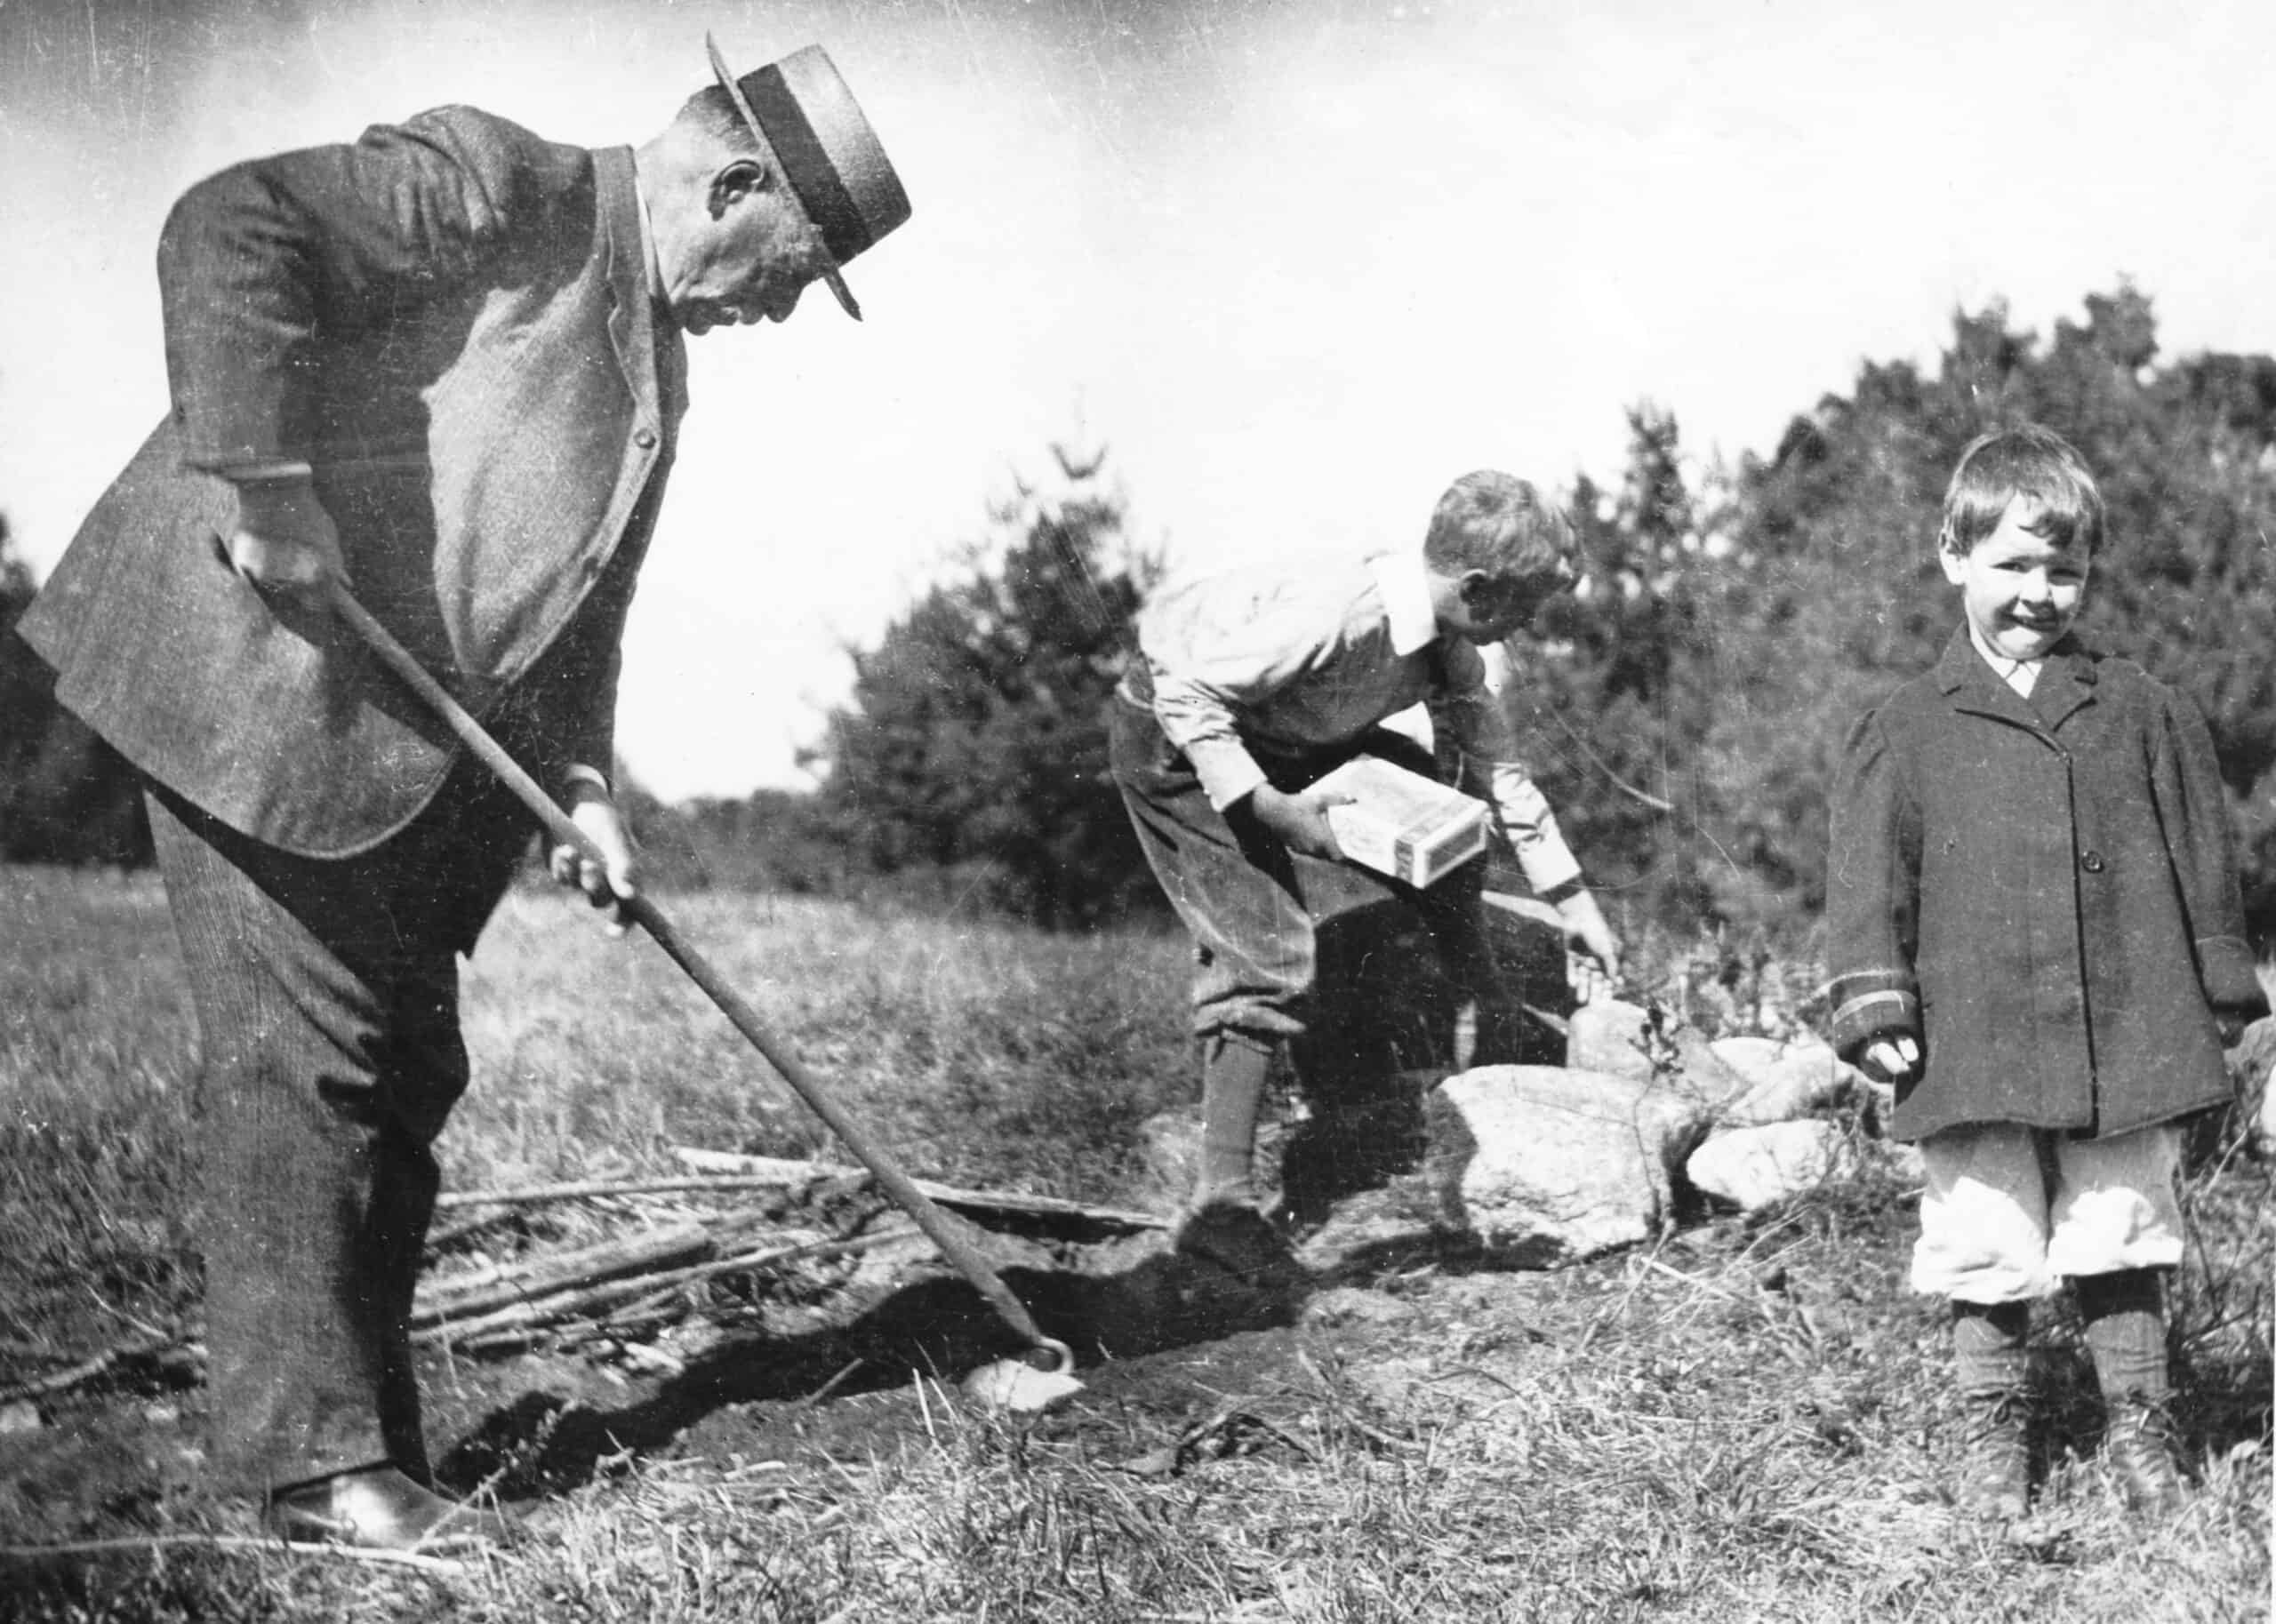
[1742,1421]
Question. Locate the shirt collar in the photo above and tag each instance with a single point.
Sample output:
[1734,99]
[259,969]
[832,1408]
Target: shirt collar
[648,240]
[1406,588]
[2020,675]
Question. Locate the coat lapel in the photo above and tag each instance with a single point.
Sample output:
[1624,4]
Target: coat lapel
[632,328]
[2065,685]
[1971,685]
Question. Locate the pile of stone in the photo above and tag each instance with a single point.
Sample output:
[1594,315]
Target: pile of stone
[1547,1164]
[1540,1165]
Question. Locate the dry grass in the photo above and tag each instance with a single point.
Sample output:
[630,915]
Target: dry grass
[983,1052]
[1742,1422]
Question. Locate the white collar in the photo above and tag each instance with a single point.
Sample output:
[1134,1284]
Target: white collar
[648,239]
[2020,675]
[1406,588]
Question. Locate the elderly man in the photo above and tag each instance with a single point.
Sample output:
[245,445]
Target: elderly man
[442,365]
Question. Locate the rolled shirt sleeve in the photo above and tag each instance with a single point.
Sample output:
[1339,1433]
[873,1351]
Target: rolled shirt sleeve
[1233,652]
[1297,660]
[1198,720]
[1471,719]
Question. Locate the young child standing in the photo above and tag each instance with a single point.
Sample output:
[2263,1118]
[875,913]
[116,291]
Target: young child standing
[1251,684]
[2035,932]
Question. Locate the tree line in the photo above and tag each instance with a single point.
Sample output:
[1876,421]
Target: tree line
[1683,710]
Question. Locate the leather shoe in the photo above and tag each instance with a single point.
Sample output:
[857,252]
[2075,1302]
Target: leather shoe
[1236,1237]
[1993,1482]
[2141,1442]
[379,1509]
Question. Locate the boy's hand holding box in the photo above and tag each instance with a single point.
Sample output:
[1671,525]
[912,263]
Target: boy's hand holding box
[1400,823]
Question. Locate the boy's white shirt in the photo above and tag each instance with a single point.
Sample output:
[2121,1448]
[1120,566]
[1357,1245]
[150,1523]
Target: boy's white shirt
[1196,712]
[2020,675]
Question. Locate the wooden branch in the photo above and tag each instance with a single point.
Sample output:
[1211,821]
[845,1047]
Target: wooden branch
[86,1370]
[500,1285]
[783,1172]
[530,1313]
[590,1189]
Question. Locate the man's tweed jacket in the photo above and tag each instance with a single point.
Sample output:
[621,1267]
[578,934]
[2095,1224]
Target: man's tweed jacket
[450,323]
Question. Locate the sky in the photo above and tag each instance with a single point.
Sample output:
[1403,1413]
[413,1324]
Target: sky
[1293,265]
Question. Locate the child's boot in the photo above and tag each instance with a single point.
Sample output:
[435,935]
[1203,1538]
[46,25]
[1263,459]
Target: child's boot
[1225,1221]
[2124,1311]
[1993,1477]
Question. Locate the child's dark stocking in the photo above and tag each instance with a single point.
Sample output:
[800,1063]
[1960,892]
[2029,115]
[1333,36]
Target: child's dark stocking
[1990,1364]
[2124,1312]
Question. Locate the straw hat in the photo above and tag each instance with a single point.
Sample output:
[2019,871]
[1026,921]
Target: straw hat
[801,110]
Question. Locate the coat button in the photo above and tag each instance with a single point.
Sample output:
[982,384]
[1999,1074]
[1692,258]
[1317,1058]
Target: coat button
[2092,862]
[644,438]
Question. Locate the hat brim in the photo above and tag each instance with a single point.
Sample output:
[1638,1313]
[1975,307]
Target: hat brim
[831,274]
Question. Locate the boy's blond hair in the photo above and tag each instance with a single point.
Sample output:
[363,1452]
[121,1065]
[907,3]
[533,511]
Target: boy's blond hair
[2029,463]
[1496,523]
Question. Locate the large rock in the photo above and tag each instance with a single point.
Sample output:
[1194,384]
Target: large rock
[1542,1165]
[1756,1167]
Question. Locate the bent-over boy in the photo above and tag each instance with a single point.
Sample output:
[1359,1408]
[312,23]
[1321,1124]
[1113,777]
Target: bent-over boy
[1251,684]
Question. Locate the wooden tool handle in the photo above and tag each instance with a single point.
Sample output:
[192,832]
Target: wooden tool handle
[905,1195]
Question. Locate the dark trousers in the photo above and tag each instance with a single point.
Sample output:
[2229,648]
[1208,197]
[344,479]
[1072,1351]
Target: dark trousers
[326,993]
[1250,904]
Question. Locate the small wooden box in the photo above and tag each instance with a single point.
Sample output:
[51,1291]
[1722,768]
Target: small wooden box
[1400,823]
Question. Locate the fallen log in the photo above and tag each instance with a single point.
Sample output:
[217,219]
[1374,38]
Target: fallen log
[533,1313]
[595,1188]
[466,1296]
[779,1171]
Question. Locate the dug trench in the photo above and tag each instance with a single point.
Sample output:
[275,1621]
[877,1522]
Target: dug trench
[834,1362]
[801,1364]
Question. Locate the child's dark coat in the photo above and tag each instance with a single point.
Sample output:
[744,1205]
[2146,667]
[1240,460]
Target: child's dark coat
[2043,892]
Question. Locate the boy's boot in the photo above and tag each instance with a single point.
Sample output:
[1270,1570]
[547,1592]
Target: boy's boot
[1989,1359]
[1225,1222]
[2126,1332]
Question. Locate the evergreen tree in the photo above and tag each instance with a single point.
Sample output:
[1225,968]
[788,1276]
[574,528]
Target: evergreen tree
[1834,595]
[1615,698]
[973,749]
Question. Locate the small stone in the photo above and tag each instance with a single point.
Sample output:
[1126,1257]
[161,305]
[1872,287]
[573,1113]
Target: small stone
[20,1418]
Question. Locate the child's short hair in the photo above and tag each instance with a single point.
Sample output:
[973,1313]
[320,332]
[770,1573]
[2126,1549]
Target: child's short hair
[1496,523]
[2026,461]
